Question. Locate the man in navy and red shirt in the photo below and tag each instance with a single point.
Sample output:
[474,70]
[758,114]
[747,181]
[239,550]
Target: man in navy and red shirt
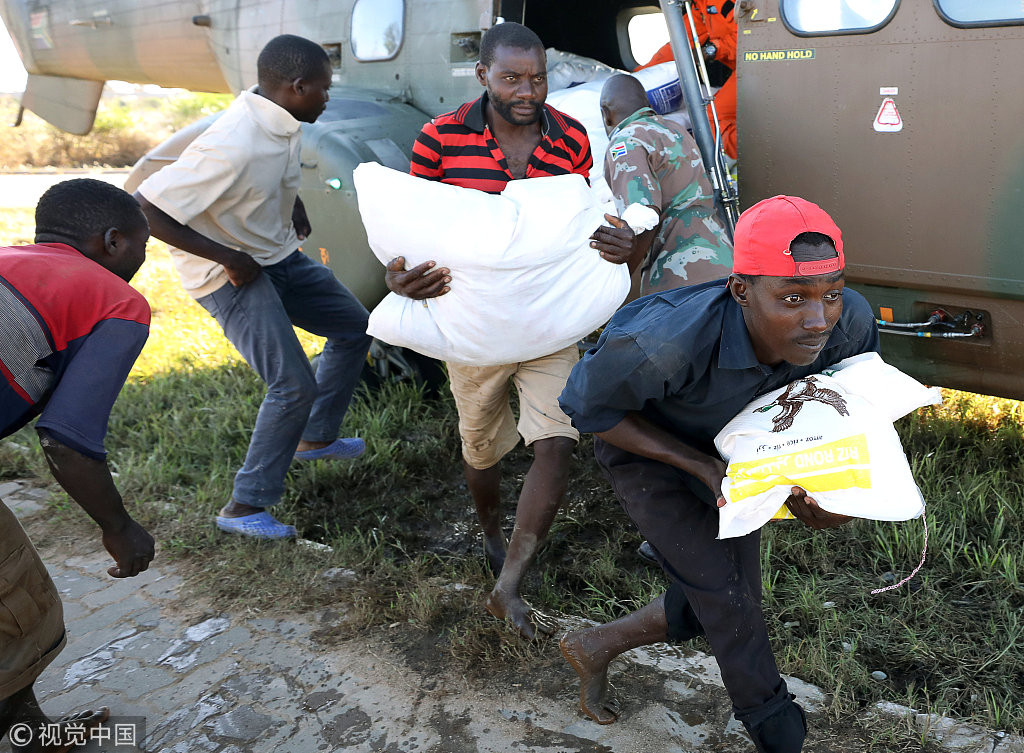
[509,133]
[670,370]
[71,328]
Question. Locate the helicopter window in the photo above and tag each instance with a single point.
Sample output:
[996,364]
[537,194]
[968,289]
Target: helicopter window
[807,17]
[377,29]
[974,13]
[647,33]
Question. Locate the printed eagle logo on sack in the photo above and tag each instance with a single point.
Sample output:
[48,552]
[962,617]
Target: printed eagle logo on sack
[793,399]
[848,456]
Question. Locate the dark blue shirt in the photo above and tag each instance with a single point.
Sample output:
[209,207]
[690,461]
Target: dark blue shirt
[683,359]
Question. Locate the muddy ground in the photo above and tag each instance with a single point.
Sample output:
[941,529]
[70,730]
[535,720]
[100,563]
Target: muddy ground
[393,688]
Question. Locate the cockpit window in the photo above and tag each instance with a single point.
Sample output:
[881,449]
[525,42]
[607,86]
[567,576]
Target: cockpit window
[377,29]
[819,17]
[975,13]
[647,33]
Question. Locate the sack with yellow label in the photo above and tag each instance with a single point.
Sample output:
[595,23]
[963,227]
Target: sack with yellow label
[832,435]
[525,281]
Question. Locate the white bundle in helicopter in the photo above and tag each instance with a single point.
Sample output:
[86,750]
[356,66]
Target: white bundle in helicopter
[830,434]
[525,281]
[575,85]
[567,69]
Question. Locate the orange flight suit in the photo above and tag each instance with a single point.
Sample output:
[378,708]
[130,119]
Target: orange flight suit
[719,29]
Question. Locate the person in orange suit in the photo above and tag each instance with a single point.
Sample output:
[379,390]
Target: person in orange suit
[716,30]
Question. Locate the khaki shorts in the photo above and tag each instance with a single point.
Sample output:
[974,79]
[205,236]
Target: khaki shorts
[31,617]
[486,424]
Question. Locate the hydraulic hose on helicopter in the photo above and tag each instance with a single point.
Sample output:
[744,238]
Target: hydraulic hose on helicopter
[693,77]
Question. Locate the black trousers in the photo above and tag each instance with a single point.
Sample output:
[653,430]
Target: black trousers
[715,584]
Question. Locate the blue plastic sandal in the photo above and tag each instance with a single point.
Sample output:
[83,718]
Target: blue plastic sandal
[261,525]
[342,448]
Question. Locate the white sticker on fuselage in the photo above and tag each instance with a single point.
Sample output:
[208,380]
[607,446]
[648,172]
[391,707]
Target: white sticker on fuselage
[888,119]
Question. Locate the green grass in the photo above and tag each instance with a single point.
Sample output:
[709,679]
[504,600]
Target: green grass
[400,518]
[16,226]
[950,640]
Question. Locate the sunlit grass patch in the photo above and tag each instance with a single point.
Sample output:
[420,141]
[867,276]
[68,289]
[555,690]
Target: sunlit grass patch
[950,640]
[17,227]
[183,336]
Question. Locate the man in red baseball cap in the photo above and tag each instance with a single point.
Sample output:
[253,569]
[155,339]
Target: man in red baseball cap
[670,370]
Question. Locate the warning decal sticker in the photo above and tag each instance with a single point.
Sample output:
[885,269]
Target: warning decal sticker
[888,119]
[756,56]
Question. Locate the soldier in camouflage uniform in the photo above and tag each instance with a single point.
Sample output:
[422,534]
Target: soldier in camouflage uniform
[654,161]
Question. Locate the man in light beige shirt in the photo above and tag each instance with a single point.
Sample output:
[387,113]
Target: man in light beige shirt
[230,206]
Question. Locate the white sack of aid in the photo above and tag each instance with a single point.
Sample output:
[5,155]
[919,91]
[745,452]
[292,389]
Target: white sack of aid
[831,434]
[525,281]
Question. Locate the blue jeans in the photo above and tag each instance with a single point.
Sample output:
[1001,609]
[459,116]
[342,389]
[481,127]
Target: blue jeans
[257,318]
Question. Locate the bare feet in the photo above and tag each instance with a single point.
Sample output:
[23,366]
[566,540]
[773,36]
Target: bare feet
[596,699]
[530,623]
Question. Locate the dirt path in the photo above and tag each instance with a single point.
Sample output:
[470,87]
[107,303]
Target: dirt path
[197,678]
[201,679]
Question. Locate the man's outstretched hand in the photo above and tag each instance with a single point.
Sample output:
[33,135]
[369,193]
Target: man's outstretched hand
[132,549]
[807,511]
[422,281]
[617,244]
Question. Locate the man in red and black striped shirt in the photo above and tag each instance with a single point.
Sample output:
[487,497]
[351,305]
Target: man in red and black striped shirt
[461,147]
[507,134]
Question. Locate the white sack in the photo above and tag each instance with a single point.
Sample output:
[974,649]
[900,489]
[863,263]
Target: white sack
[525,281]
[830,434]
[567,69]
[583,102]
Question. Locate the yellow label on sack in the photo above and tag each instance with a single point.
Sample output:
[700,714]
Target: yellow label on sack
[843,464]
[783,514]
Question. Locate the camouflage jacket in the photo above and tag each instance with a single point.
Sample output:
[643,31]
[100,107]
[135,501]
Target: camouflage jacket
[655,161]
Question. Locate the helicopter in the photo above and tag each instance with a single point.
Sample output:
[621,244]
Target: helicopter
[890,114]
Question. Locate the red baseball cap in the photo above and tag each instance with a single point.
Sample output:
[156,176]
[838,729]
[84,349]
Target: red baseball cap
[765,231]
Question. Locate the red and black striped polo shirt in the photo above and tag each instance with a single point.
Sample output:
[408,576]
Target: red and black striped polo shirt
[459,148]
